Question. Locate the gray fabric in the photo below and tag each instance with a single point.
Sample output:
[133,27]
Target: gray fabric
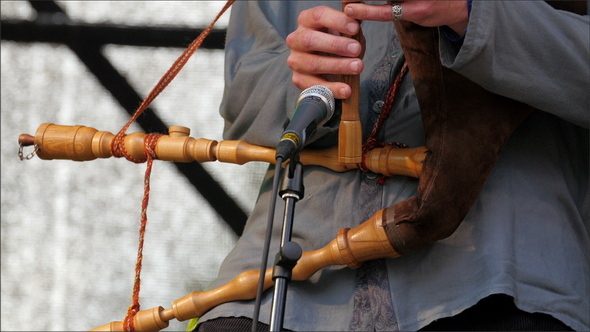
[545,67]
[528,235]
[373,308]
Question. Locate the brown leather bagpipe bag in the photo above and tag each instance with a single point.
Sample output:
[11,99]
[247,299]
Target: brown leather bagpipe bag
[466,128]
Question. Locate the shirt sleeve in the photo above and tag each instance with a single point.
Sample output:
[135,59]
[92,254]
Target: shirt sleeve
[530,52]
[255,62]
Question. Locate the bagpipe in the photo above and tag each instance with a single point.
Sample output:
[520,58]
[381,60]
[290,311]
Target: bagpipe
[465,125]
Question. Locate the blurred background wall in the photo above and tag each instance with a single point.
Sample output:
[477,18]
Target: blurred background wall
[69,230]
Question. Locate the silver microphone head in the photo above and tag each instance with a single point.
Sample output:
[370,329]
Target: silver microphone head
[325,95]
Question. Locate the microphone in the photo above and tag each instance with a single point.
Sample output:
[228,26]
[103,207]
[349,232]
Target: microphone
[315,107]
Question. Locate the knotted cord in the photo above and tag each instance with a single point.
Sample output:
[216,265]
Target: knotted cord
[149,146]
[118,150]
[371,141]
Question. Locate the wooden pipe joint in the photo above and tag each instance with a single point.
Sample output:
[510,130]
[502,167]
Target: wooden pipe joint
[57,143]
[174,147]
[229,151]
[180,147]
[344,251]
[186,307]
[150,320]
[367,242]
[101,144]
[349,142]
[390,160]
[204,150]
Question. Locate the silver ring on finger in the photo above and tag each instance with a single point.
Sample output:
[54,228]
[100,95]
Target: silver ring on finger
[397,12]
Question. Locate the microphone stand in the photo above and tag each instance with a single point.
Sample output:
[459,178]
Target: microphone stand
[289,252]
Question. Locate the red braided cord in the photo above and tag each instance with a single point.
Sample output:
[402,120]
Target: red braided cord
[371,141]
[149,142]
[118,150]
[117,147]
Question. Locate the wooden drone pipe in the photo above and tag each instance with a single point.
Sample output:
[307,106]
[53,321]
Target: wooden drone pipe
[351,247]
[82,143]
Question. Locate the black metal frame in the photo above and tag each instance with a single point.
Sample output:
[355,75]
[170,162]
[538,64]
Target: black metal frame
[52,24]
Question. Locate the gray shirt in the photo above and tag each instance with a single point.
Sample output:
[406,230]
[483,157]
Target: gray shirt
[528,234]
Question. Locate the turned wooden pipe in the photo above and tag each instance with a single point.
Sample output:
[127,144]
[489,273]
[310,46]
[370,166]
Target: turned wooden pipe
[351,247]
[350,133]
[82,143]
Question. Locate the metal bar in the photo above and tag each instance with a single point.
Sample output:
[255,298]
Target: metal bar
[48,30]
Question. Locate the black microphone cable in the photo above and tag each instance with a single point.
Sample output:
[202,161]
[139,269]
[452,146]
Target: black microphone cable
[265,251]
